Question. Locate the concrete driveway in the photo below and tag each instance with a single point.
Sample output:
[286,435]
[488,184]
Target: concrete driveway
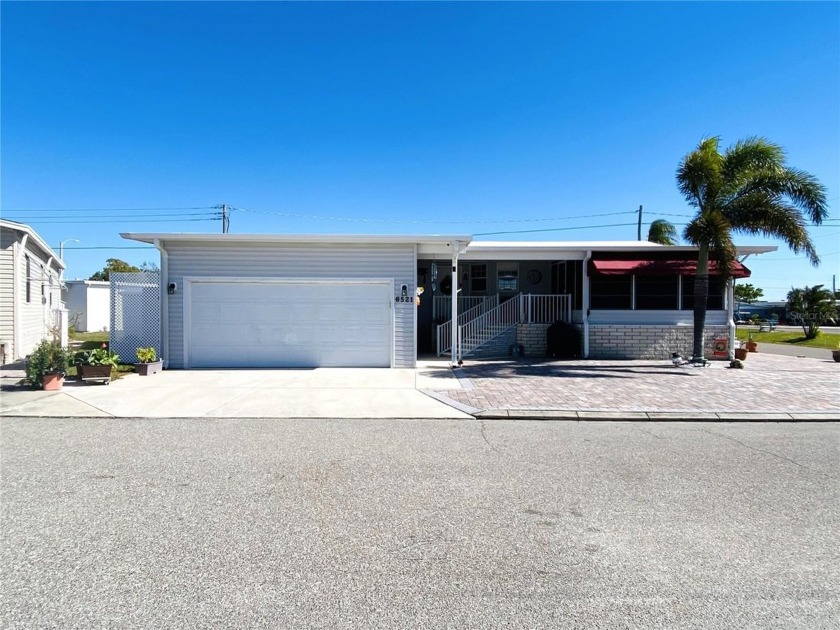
[305,393]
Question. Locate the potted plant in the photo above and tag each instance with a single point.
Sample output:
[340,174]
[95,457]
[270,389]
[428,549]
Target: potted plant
[148,362]
[96,365]
[47,365]
[835,354]
[740,353]
[752,346]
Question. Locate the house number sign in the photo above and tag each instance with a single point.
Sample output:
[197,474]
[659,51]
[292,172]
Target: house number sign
[404,299]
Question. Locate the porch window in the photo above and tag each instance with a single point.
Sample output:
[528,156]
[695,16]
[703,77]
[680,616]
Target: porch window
[657,293]
[716,288]
[478,279]
[508,279]
[612,292]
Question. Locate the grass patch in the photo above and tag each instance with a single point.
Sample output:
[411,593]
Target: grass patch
[100,336]
[827,341]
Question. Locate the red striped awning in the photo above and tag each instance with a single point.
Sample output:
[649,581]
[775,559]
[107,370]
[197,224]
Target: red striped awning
[661,268]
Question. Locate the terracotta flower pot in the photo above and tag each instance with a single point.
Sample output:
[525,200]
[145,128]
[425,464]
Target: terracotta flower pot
[53,381]
[740,353]
[752,346]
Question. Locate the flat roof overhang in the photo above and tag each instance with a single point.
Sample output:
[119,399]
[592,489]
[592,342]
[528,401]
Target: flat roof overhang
[426,244]
[577,250]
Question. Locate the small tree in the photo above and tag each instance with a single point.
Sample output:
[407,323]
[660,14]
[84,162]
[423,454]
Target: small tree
[113,265]
[747,294]
[810,307]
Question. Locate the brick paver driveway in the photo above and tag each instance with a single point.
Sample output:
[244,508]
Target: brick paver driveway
[769,383]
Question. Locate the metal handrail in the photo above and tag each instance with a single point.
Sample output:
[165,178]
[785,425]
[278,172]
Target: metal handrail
[444,330]
[472,334]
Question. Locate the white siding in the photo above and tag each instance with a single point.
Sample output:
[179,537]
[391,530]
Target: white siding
[344,261]
[7,265]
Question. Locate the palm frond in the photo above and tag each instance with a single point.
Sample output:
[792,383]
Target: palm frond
[662,232]
[759,213]
[699,173]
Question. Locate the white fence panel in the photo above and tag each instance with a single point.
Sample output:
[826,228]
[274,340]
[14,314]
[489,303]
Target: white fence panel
[135,313]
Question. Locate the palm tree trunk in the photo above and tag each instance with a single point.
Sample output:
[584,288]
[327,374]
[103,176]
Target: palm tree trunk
[701,300]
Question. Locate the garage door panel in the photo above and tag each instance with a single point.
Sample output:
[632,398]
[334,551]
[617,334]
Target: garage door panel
[245,324]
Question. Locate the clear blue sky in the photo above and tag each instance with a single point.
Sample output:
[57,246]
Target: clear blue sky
[402,118]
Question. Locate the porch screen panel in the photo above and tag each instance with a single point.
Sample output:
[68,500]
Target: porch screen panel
[657,293]
[716,287]
[612,292]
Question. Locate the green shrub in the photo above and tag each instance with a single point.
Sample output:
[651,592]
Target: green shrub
[146,355]
[99,356]
[50,357]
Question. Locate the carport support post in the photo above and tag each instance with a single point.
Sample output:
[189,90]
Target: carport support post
[456,342]
[730,319]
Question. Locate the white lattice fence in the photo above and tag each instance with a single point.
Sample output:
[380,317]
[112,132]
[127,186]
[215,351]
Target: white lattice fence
[135,313]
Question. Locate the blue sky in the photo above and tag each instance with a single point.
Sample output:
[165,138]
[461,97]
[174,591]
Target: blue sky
[402,117]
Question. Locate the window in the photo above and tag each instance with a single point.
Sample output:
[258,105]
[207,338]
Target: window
[716,287]
[508,279]
[28,279]
[478,278]
[611,292]
[657,293]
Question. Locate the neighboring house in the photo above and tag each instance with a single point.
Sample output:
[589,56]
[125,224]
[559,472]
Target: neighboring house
[88,304]
[30,293]
[230,300]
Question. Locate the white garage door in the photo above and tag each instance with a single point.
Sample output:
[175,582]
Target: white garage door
[270,324]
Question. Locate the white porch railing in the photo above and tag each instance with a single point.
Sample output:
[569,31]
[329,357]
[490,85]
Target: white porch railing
[489,319]
[546,309]
[442,305]
[444,330]
[483,328]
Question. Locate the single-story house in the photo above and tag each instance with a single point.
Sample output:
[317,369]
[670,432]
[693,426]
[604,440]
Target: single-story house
[30,290]
[270,300]
[88,304]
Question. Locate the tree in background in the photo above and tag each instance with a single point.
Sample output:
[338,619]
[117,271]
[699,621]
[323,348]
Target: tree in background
[116,265]
[750,189]
[747,293]
[810,307]
[663,233]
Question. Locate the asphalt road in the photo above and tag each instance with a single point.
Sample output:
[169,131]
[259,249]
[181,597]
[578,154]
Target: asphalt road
[418,524]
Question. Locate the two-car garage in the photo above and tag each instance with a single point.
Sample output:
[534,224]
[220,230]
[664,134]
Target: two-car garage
[288,323]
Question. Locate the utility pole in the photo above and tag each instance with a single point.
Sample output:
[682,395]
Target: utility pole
[639,230]
[225,218]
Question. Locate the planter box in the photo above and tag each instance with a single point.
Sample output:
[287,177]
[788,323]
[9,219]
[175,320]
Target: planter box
[147,369]
[94,372]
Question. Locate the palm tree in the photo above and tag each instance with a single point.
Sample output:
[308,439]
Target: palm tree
[662,232]
[810,307]
[750,189]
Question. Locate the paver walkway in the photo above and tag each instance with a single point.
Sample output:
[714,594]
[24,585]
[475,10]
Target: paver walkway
[768,384]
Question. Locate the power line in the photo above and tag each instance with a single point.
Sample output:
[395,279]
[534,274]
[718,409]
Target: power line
[148,247]
[107,209]
[133,220]
[94,216]
[418,222]
[582,227]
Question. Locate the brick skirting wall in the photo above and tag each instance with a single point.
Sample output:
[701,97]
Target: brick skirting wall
[625,341]
[631,341]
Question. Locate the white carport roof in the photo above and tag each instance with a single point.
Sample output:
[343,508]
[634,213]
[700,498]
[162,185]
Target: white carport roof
[426,244]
